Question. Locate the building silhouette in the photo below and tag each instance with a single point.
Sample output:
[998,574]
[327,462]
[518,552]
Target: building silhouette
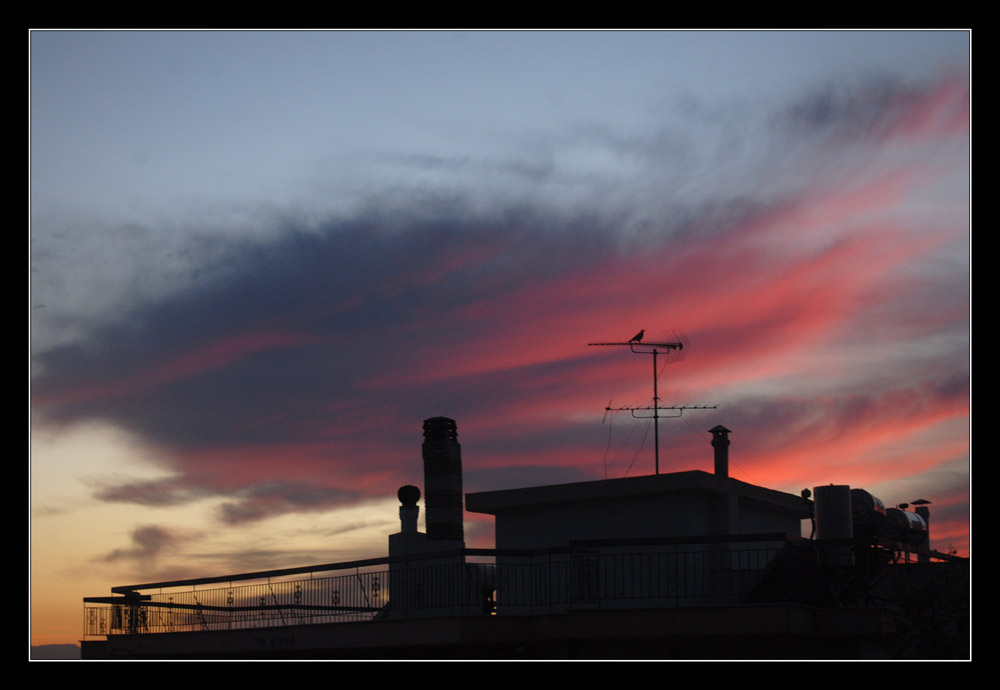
[686,565]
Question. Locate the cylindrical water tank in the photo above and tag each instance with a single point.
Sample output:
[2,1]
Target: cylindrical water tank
[904,527]
[833,512]
[867,512]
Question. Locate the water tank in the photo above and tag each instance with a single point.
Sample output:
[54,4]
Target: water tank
[867,513]
[833,512]
[904,527]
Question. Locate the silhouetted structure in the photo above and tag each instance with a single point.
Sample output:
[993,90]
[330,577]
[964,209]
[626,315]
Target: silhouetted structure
[680,504]
[682,565]
[443,480]
[720,442]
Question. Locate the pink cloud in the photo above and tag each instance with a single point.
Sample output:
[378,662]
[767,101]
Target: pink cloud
[941,111]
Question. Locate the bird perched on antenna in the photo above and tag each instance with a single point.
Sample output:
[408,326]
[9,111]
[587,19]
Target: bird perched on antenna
[637,338]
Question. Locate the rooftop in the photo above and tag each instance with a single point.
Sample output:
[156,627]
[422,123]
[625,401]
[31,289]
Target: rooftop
[693,481]
[681,565]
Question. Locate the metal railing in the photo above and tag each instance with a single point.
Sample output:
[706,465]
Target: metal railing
[341,598]
[609,575]
[331,593]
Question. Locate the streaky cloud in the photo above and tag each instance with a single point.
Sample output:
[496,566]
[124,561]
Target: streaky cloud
[147,542]
[295,380]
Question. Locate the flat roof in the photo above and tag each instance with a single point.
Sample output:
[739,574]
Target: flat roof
[492,502]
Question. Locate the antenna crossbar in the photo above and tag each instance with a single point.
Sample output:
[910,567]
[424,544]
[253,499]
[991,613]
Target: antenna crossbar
[659,408]
[664,407]
[667,346]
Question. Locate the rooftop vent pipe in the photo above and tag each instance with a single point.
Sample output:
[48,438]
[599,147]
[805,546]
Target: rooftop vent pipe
[720,441]
[409,511]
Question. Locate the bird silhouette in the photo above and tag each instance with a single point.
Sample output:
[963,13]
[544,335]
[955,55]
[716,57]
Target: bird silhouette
[637,338]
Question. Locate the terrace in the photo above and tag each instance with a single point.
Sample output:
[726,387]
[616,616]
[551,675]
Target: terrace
[716,574]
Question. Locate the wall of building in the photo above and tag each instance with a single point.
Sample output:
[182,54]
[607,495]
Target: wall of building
[650,516]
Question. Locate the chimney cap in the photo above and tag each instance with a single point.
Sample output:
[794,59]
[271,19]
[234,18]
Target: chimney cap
[440,428]
[408,495]
[719,429]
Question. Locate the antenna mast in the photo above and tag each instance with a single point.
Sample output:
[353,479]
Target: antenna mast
[654,349]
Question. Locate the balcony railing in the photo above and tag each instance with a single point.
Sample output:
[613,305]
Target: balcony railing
[622,574]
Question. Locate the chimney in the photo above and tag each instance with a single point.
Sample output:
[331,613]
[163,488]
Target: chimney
[442,479]
[409,511]
[720,442]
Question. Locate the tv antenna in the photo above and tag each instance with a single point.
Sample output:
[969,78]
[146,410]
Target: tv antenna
[670,349]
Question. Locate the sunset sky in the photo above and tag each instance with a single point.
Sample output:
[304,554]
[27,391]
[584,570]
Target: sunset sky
[260,259]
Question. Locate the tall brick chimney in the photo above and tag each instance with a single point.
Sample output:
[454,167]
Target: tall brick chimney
[443,480]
